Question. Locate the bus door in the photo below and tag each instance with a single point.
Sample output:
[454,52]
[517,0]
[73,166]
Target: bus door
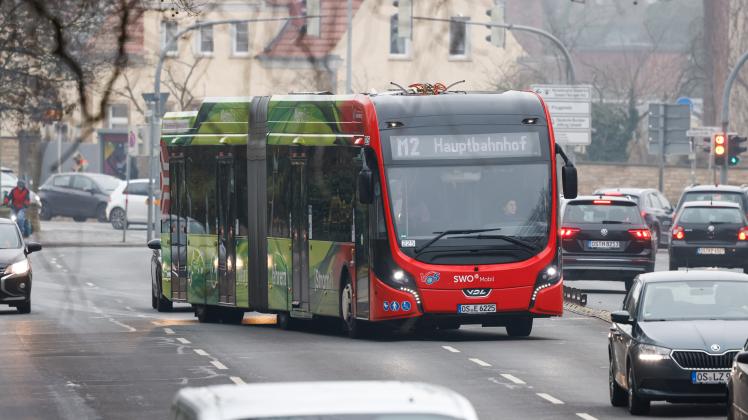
[362,231]
[178,229]
[300,219]
[226,200]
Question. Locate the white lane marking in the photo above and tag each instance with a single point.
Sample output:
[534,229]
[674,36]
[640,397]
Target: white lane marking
[183,340]
[218,365]
[480,362]
[125,326]
[549,398]
[513,378]
[237,380]
[168,331]
[201,352]
[450,349]
[586,416]
[89,284]
[129,308]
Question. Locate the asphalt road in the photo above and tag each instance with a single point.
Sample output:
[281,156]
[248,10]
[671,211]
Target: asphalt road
[93,348]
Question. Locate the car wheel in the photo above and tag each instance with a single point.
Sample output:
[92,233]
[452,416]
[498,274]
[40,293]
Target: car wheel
[154,301]
[162,304]
[351,325]
[205,314]
[117,218]
[284,321]
[101,213]
[79,218]
[45,213]
[618,396]
[24,308]
[519,327]
[636,404]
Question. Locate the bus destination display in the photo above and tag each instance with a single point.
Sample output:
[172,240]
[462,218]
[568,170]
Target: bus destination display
[466,146]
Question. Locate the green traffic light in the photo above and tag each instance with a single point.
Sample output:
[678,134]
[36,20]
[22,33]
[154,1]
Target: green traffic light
[734,160]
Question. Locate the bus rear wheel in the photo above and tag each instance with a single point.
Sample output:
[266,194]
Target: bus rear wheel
[519,327]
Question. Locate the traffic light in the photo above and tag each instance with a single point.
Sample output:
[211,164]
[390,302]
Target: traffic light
[735,148]
[497,37]
[719,148]
[404,18]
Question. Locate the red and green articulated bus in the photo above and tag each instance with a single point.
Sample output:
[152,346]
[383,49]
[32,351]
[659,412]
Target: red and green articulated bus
[411,210]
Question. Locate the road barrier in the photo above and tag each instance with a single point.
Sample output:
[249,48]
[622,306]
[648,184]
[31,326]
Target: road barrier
[575,296]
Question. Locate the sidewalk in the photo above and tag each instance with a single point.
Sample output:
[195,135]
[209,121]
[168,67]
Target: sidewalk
[60,232]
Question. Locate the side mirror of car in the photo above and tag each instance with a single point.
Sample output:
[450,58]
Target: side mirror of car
[621,317]
[742,357]
[365,187]
[33,247]
[569,181]
[154,244]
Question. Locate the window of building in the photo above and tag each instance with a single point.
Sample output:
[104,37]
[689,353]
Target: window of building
[459,45]
[205,40]
[118,116]
[168,31]
[399,46]
[240,38]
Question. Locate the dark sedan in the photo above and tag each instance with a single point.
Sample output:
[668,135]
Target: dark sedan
[737,387]
[709,234]
[605,238]
[77,195]
[676,338]
[655,209]
[15,280]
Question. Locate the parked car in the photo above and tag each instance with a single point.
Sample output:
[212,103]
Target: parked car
[605,238]
[737,387]
[364,400]
[128,204]
[77,195]
[15,285]
[715,193]
[710,234]
[676,337]
[655,209]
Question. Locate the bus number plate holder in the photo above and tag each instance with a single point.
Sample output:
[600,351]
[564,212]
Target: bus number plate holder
[476,308]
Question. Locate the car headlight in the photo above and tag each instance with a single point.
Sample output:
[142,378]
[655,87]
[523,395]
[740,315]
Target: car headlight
[21,267]
[650,353]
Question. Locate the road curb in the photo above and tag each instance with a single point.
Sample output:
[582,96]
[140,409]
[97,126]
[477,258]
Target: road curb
[590,312]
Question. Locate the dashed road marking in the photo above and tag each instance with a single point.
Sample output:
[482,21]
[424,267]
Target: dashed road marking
[89,284]
[586,416]
[480,362]
[201,352]
[168,331]
[129,308]
[183,340]
[237,380]
[513,378]
[450,349]
[218,365]
[549,398]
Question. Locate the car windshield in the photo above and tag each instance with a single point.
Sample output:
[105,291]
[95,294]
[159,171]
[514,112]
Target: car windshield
[512,198]
[710,215]
[589,212]
[393,416]
[695,300]
[734,197]
[107,183]
[9,238]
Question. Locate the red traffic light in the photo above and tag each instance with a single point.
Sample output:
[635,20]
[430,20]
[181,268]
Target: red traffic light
[719,144]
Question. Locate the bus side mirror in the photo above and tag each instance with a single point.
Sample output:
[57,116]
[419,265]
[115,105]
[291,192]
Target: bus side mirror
[365,187]
[569,181]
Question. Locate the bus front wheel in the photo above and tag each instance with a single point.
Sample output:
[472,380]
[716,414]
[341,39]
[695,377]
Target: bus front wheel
[519,327]
[351,325]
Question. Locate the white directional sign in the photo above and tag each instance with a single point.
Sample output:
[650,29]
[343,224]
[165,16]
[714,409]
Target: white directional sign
[702,131]
[571,112]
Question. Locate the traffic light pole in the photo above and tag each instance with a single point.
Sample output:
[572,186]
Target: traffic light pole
[726,102]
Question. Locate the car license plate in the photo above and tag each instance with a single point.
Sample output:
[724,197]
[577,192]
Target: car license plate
[476,308]
[710,251]
[604,244]
[709,377]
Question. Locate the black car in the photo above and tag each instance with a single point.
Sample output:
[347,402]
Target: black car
[15,282]
[605,238]
[676,338]
[655,208]
[737,387]
[158,301]
[77,195]
[715,193]
[709,234]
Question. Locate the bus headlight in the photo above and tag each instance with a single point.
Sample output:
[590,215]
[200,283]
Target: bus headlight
[547,277]
[20,267]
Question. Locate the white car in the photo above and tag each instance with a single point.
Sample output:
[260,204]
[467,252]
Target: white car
[355,400]
[134,198]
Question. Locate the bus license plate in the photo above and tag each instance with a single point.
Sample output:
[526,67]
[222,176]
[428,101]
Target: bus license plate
[604,244]
[709,377]
[476,309]
[710,251]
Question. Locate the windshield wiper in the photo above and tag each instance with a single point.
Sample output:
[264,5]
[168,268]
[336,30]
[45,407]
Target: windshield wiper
[451,232]
[511,239]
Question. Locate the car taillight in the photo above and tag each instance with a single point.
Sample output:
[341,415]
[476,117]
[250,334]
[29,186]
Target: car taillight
[678,232]
[604,202]
[567,232]
[641,234]
[743,234]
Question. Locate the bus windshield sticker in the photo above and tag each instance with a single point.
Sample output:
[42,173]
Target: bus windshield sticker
[465,146]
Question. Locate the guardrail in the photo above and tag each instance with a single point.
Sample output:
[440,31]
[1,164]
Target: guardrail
[575,296]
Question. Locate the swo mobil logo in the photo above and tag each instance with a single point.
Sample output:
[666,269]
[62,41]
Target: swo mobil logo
[469,278]
[430,277]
